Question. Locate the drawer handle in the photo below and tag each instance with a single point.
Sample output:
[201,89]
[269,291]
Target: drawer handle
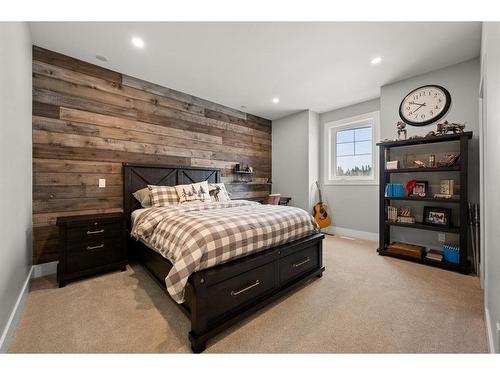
[95,247]
[235,293]
[95,231]
[301,263]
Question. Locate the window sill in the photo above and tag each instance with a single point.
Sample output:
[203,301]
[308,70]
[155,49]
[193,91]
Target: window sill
[351,183]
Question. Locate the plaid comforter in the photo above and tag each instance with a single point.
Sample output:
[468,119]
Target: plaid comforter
[196,236]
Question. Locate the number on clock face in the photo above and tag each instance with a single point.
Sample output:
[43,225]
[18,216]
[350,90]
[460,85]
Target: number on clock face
[424,105]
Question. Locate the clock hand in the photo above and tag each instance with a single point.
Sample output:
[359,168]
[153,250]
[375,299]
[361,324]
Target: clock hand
[421,105]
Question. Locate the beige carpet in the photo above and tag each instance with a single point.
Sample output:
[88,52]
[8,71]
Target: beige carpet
[364,303]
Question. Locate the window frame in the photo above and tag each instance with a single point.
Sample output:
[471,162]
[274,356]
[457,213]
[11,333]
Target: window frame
[330,153]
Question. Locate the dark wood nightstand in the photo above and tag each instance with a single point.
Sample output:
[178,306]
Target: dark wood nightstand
[90,244]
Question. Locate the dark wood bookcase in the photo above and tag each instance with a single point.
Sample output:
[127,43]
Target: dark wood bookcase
[460,204]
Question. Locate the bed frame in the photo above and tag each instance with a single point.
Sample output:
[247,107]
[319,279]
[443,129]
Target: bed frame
[219,297]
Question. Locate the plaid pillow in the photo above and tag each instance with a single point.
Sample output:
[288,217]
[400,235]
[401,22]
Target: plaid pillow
[219,193]
[193,192]
[163,196]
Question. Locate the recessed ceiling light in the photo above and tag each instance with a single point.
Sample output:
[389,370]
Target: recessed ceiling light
[102,58]
[376,60]
[137,42]
[276,100]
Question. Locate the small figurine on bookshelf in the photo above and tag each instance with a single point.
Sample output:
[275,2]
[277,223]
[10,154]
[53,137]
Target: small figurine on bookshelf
[405,216]
[401,129]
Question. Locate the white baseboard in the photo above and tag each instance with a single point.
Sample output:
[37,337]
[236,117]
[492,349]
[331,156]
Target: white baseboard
[339,231]
[15,315]
[44,269]
[489,330]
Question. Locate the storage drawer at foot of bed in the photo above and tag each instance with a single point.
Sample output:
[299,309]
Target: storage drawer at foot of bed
[298,263]
[236,291]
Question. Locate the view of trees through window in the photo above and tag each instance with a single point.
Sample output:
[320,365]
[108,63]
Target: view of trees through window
[354,152]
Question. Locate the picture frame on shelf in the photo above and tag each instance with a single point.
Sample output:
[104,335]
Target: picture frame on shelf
[437,216]
[420,189]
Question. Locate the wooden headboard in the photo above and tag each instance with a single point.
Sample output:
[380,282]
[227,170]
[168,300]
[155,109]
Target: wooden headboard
[138,176]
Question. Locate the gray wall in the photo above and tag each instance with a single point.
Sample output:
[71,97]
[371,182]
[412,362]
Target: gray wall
[352,206]
[295,159]
[491,163]
[15,166]
[462,81]
[290,158]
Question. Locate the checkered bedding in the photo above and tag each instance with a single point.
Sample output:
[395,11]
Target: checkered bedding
[196,236]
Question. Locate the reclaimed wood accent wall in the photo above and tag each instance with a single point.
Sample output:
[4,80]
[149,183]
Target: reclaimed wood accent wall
[88,120]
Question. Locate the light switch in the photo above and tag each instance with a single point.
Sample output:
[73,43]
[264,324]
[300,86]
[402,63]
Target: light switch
[102,182]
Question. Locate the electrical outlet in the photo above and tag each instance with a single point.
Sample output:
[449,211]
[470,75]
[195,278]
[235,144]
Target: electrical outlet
[102,182]
[441,237]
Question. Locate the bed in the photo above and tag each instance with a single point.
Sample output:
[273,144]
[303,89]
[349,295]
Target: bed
[216,294]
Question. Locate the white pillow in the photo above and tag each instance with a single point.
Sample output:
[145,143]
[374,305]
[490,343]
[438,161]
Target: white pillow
[143,196]
[219,193]
[193,192]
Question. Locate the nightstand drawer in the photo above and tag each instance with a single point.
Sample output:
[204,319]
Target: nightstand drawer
[94,254]
[94,232]
[95,245]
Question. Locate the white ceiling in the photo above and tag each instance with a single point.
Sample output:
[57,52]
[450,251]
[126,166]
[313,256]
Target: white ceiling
[317,66]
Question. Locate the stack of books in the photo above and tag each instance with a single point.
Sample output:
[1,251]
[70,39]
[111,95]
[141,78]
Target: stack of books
[436,255]
[394,190]
[392,213]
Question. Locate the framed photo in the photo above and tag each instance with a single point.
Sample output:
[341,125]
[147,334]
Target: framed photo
[439,216]
[420,189]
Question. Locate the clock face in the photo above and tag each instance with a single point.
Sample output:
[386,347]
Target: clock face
[425,105]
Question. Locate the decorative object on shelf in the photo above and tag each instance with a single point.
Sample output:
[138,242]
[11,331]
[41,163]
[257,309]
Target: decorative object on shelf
[446,189]
[243,173]
[408,160]
[436,255]
[420,189]
[419,164]
[409,186]
[406,249]
[393,164]
[438,216]
[448,160]
[394,190]
[425,105]
[445,128]
[405,216]
[401,129]
[392,213]
[432,161]
[451,253]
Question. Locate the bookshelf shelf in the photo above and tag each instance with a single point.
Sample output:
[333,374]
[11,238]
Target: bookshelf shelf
[460,203]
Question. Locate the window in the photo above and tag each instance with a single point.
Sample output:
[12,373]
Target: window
[350,150]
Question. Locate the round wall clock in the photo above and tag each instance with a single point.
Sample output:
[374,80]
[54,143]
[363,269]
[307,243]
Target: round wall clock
[425,105]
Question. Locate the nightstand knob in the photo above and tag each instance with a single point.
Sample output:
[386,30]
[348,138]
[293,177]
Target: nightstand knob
[96,223]
[202,281]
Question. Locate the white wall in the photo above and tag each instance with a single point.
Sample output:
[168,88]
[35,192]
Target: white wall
[490,73]
[295,158]
[15,168]
[354,207]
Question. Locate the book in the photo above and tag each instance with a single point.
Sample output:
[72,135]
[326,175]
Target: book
[436,255]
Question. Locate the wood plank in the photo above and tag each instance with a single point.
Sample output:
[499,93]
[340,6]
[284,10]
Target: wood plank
[216,115]
[108,133]
[84,80]
[64,100]
[75,166]
[72,140]
[50,218]
[170,93]
[57,59]
[89,153]
[42,192]
[67,179]
[75,204]
[113,122]
[45,110]
[63,87]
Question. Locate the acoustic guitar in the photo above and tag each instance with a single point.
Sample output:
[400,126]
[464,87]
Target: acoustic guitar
[320,211]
